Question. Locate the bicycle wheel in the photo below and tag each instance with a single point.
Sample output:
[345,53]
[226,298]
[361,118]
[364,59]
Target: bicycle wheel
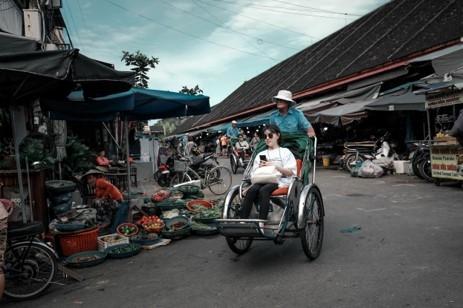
[236,244]
[312,234]
[219,180]
[29,270]
[180,177]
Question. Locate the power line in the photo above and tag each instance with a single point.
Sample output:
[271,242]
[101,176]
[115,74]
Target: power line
[316,9]
[184,32]
[285,10]
[205,9]
[256,19]
[227,28]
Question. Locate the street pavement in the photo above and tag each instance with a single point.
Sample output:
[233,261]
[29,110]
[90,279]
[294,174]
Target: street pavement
[407,252]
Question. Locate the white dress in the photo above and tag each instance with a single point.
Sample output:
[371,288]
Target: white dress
[278,157]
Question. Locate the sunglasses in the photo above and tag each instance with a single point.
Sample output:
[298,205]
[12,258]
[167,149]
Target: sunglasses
[269,136]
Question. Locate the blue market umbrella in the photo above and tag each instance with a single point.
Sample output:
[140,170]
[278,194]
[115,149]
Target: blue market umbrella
[135,104]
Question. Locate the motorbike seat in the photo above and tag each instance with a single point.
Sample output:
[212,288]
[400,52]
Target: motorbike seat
[16,230]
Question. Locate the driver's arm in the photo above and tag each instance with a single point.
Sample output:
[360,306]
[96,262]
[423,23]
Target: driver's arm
[310,132]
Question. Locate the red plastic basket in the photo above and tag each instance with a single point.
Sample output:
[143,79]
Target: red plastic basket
[78,242]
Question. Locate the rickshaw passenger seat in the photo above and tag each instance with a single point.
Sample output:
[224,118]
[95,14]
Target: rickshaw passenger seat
[283,191]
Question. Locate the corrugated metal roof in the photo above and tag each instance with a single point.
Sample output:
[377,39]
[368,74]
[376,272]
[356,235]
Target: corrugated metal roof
[390,33]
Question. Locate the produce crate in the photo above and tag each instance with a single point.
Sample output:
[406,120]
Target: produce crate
[119,240]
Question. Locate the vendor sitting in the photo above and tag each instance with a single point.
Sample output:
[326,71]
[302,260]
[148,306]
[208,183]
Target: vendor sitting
[102,160]
[103,188]
[107,191]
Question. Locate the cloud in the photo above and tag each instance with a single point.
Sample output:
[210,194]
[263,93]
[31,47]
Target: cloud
[218,70]
[205,64]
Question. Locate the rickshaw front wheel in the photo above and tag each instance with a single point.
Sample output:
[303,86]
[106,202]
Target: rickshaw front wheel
[312,232]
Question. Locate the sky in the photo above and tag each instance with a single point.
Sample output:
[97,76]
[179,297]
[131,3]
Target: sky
[216,44]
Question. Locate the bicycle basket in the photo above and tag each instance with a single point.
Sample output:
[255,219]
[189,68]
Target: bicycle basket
[180,165]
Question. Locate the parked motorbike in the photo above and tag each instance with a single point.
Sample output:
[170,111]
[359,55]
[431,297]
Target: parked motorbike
[164,173]
[421,161]
[378,149]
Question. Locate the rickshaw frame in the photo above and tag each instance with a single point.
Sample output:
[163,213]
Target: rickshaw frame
[294,221]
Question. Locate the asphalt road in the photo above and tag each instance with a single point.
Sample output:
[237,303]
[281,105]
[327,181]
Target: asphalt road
[408,253]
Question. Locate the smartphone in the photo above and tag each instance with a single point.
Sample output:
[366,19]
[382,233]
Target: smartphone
[263,157]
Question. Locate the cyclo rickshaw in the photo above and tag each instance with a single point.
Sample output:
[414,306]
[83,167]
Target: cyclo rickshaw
[301,205]
[239,159]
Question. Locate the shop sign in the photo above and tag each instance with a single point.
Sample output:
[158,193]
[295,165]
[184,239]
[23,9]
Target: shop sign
[446,163]
[442,100]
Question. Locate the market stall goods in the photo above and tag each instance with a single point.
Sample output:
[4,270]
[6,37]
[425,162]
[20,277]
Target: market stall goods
[86,259]
[127,229]
[123,251]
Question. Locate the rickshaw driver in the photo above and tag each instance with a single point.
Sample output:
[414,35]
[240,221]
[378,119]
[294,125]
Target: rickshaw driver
[288,118]
[241,146]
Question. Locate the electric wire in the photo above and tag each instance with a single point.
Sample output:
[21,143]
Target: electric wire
[255,19]
[197,37]
[227,28]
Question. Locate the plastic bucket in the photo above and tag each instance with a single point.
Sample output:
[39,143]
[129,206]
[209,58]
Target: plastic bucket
[326,161]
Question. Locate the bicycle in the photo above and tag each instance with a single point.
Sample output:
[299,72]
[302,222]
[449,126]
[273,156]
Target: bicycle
[30,264]
[217,178]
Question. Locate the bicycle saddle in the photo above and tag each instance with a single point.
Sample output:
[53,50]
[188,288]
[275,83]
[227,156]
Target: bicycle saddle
[20,229]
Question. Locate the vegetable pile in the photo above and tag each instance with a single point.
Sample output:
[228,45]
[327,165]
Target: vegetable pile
[151,223]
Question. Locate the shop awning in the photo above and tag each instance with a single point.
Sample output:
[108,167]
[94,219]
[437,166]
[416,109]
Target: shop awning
[55,73]
[342,114]
[402,100]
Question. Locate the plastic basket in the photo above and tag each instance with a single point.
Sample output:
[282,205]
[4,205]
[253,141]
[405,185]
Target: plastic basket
[180,165]
[103,245]
[78,242]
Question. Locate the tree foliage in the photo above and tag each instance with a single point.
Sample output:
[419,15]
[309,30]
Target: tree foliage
[191,91]
[141,65]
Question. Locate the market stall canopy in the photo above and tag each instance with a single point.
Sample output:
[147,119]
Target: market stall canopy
[256,120]
[135,104]
[75,107]
[219,127]
[341,108]
[11,43]
[401,100]
[449,63]
[157,104]
[343,114]
[27,73]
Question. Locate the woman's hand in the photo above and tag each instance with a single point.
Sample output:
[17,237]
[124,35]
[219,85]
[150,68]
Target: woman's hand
[264,163]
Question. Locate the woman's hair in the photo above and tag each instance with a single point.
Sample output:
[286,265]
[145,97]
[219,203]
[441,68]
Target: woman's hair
[273,129]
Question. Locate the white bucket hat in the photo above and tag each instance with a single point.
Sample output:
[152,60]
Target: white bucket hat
[284,95]
[234,122]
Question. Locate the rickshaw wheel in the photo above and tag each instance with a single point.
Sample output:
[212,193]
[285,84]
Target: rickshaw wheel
[233,163]
[237,245]
[312,233]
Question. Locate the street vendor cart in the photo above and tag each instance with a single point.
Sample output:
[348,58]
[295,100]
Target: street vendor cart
[446,153]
